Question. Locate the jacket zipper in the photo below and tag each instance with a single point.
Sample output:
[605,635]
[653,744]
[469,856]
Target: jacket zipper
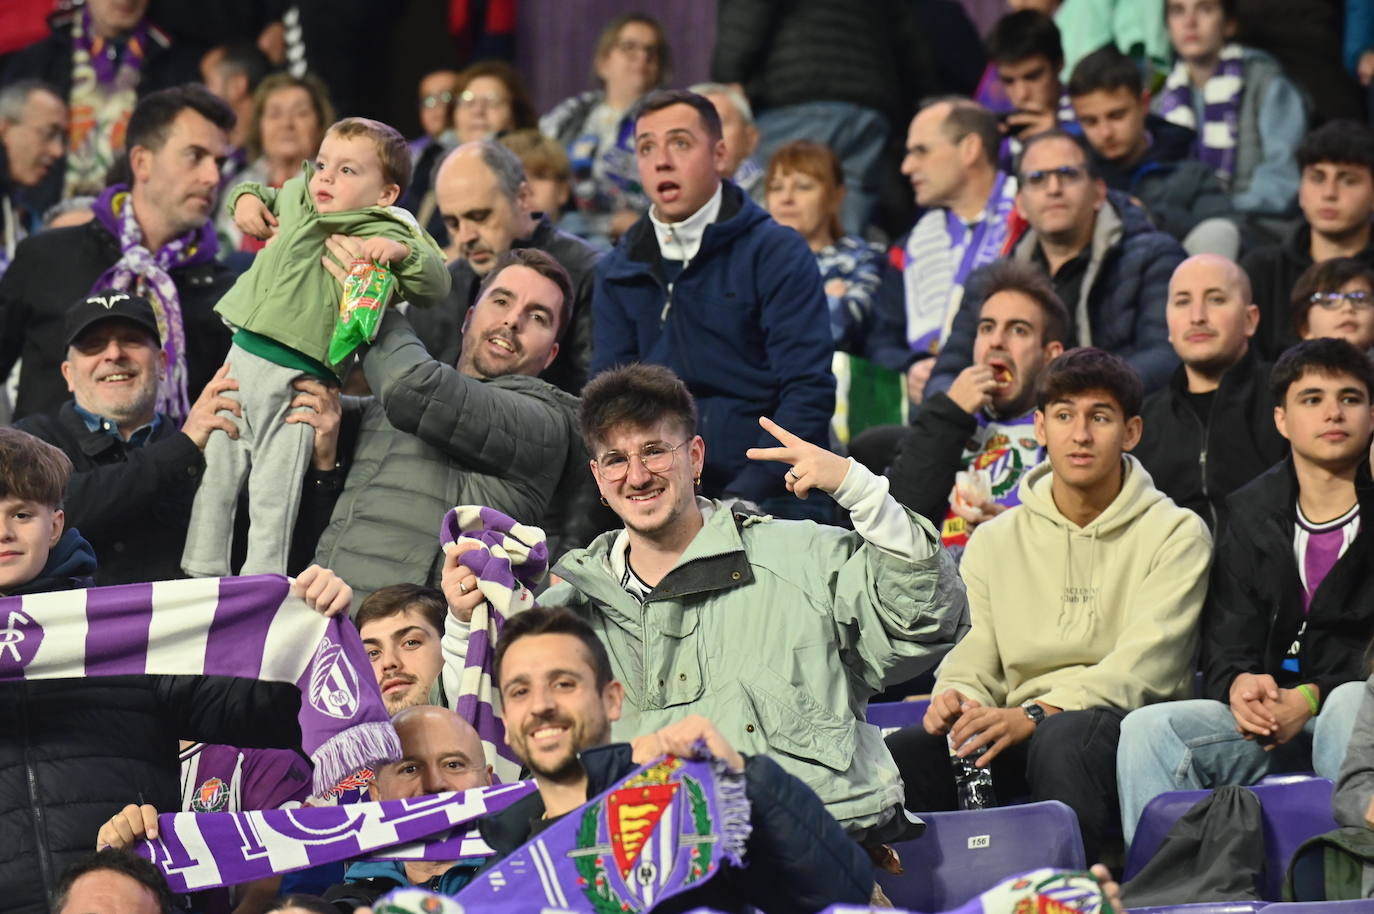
[40,831]
[1202,461]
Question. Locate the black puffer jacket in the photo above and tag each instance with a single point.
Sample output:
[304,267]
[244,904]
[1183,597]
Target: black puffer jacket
[73,752]
[51,271]
[798,859]
[867,54]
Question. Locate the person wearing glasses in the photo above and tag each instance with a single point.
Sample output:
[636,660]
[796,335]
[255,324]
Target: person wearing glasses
[1336,195]
[777,631]
[1335,298]
[1211,430]
[596,127]
[1107,263]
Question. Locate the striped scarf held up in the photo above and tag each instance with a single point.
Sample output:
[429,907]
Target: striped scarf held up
[510,560]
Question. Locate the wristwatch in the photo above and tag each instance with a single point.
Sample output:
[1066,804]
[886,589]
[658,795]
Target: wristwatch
[1035,712]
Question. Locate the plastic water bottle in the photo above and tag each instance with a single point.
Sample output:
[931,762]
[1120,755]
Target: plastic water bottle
[972,785]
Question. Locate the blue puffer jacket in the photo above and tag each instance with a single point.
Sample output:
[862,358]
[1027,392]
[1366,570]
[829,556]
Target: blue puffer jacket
[1124,294]
[746,327]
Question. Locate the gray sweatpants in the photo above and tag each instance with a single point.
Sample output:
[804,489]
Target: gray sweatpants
[270,454]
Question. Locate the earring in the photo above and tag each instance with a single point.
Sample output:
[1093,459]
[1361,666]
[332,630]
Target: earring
[605,502]
[698,480]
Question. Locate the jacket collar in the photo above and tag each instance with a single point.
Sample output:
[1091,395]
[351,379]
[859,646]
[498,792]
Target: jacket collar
[510,828]
[1273,497]
[680,241]
[1233,379]
[737,213]
[714,560]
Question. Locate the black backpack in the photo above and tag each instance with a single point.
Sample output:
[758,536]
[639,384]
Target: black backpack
[1214,852]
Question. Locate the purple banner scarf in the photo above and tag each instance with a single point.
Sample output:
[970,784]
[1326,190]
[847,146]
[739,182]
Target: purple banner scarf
[664,829]
[141,271]
[510,559]
[1217,134]
[250,628]
[206,850]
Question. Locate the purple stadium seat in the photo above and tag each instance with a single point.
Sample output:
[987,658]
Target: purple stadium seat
[894,715]
[964,853]
[1294,809]
[1359,906]
[1208,907]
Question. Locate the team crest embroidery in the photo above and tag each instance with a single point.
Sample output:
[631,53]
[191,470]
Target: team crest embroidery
[333,682]
[1047,891]
[654,833]
[212,796]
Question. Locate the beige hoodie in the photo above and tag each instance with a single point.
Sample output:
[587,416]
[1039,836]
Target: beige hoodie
[1082,617]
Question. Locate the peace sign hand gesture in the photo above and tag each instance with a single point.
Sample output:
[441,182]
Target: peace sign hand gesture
[812,467]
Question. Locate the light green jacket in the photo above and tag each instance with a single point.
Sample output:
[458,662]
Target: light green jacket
[778,632]
[287,295]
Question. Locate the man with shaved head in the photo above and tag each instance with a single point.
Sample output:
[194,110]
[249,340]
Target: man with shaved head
[1211,430]
[485,199]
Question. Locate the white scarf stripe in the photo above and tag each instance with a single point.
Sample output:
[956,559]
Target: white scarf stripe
[168,638]
[71,630]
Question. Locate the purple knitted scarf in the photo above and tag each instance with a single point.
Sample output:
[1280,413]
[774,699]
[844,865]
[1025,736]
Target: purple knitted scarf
[250,628]
[1217,134]
[510,560]
[148,273]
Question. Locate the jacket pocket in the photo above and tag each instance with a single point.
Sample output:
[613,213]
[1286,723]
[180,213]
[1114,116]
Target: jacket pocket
[795,723]
[674,671]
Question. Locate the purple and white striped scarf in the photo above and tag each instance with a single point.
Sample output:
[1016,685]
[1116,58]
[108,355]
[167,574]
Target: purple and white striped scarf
[1220,129]
[146,273]
[250,628]
[510,560]
[664,829]
[197,851]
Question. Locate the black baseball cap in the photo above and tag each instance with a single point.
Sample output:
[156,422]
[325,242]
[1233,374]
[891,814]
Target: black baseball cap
[110,304]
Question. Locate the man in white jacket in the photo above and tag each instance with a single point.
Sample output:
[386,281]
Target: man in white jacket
[1084,602]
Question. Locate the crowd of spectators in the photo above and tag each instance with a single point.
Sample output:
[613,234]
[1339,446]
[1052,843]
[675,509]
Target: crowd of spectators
[1030,375]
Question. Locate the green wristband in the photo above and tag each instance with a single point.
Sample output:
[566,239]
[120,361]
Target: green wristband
[1312,703]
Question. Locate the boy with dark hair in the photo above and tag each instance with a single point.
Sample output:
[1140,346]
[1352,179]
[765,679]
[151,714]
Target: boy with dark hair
[402,627]
[1335,298]
[1143,155]
[982,426]
[1336,194]
[1247,116]
[75,750]
[1084,602]
[283,311]
[1024,48]
[1290,606]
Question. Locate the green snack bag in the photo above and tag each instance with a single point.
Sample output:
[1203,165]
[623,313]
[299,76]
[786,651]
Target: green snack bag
[367,289]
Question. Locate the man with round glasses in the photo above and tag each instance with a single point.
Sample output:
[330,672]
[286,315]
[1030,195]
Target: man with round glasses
[1106,262]
[777,631]
[1336,195]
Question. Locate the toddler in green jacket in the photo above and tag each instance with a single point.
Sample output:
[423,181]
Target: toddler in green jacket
[283,313]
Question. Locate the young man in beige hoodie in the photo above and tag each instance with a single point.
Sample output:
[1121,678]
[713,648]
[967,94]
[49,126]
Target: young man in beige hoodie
[1084,601]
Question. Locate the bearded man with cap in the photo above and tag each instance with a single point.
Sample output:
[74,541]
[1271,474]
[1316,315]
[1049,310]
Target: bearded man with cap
[136,470]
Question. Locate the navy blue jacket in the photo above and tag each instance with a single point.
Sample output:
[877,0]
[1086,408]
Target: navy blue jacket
[746,327]
[1127,288]
[797,858]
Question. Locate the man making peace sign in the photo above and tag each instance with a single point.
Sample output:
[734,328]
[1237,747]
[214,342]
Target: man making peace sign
[777,631]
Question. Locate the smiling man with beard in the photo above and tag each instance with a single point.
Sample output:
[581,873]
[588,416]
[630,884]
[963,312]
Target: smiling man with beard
[137,469]
[985,423]
[488,432]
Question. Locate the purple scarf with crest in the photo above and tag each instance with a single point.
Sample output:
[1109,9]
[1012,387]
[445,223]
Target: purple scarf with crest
[148,273]
[249,628]
[665,828]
